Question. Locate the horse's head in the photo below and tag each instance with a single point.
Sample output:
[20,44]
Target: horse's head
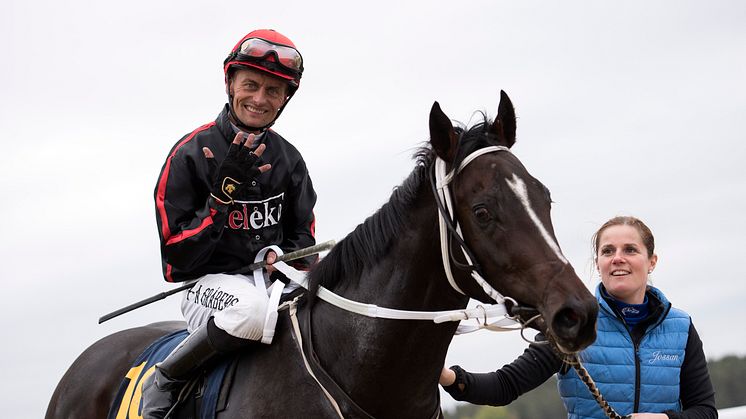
[504,214]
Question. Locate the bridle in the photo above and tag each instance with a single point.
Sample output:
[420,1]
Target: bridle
[449,230]
[449,227]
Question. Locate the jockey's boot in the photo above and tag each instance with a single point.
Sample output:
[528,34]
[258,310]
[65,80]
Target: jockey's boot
[161,389]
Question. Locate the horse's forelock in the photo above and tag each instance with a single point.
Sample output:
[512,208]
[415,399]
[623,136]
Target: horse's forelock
[473,138]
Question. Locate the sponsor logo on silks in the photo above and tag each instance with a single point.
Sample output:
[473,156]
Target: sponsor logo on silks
[660,356]
[630,311]
[256,215]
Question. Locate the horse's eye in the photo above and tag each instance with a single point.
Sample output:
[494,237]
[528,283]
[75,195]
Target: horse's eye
[482,214]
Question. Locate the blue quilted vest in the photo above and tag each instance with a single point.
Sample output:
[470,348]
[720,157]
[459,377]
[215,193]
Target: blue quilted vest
[614,365]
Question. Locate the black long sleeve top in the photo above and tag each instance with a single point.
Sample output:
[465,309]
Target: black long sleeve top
[199,237]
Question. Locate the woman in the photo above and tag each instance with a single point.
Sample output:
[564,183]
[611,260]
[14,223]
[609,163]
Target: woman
[647,358]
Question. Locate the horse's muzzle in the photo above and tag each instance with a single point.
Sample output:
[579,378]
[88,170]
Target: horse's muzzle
[573,325]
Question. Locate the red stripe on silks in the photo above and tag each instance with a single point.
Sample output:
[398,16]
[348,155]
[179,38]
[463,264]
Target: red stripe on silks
[161,195]
[169,278]
[189,233]
[313,225]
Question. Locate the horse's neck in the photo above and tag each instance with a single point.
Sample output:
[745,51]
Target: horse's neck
[398,360]
[410,275]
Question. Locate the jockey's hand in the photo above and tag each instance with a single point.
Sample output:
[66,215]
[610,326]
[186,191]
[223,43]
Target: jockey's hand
[270,259]
[274,273]
[649,416]
[239,167]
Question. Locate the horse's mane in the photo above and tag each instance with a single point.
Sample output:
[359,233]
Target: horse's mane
[371,239]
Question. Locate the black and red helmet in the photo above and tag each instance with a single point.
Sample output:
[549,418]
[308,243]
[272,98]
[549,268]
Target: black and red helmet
[269,51]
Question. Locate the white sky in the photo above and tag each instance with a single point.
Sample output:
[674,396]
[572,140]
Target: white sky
[633,107]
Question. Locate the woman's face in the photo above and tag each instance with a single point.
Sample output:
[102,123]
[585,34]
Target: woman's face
[623,263]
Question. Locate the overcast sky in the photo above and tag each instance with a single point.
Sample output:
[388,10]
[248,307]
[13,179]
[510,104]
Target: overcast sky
[635,107]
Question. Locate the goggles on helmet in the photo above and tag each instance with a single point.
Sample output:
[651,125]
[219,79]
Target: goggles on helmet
[289,57]
[285,60]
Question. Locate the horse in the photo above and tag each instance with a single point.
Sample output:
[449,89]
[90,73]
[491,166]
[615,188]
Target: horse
[499,230]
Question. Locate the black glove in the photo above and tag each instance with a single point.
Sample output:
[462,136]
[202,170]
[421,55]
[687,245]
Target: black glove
[275,275]
[454,389]
[239,167]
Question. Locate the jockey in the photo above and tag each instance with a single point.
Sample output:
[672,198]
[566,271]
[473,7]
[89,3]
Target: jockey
[227,190]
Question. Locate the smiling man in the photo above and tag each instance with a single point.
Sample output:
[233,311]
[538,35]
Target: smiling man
[227,190]
[256,97]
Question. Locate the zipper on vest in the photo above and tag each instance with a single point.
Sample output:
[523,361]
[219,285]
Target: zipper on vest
[637,377]
[637,342]
[636,346]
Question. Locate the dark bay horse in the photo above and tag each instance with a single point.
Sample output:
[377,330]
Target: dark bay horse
[386,368]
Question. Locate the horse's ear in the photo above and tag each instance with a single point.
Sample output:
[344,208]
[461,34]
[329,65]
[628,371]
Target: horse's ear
[504,125]
[442,136]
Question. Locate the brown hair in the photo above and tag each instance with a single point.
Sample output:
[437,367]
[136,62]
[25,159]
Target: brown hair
[645,234]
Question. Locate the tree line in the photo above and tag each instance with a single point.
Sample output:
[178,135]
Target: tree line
[728,376]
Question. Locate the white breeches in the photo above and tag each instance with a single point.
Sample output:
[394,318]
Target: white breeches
[237,305]
[243,306]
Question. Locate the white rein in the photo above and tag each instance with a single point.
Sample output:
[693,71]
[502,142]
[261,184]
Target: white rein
[481,312]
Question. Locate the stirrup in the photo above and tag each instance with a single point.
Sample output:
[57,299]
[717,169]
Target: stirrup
[159,394]
[161,390]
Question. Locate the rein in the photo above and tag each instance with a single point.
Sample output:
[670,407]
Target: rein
[449,229]
[586,378]
[447,224]
[317,371]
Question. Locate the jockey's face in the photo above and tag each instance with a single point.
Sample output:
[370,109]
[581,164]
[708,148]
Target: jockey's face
[257,96]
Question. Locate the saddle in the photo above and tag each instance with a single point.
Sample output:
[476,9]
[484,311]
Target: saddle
[202,397]
[207,392]
[205,395]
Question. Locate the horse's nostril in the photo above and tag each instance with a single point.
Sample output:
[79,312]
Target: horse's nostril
[574,325]
[567,320]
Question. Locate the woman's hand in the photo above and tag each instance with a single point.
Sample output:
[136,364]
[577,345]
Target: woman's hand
[447,377]
[644,415]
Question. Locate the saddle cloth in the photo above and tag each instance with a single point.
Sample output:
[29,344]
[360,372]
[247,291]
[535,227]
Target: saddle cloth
[127,403]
